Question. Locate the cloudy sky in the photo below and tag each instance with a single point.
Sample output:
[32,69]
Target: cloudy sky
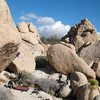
[55,17]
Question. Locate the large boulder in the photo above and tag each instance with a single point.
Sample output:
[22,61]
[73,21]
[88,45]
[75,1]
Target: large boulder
[9,36]
[80,34]
[77,80]
[24,60]
[64,59]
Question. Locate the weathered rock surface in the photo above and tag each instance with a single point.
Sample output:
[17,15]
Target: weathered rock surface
[30,36]
[65,91]
[80,34]
[97,97]
[88,92]
[77,80]
[9,36]
[24,61]
[65,60]
[91,53]
[4,77]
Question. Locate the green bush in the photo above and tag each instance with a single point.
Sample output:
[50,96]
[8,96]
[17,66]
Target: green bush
[94,82]
[25,78]
[51,40]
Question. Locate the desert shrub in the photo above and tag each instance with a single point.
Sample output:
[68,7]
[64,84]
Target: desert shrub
[25,78]
[93,82]
[50,40]
[93,85]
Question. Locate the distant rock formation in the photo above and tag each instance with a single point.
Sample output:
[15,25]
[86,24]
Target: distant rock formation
[81,35]
[31,38]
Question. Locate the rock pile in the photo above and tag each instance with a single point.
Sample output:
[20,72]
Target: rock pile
[81,34]
[75,62]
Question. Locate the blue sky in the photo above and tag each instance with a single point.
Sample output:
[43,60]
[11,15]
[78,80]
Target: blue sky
[56,13]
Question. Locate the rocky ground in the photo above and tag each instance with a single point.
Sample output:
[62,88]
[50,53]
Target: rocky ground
[69,70]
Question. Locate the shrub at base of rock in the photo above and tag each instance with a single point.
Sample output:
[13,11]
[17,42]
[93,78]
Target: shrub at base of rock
[52,84]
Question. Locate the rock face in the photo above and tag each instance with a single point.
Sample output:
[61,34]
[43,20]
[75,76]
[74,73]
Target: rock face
[30,48]
[23,57]
[97,97]
[77,80]
[24,61]
[87,92]
[91,53]
[9,36]
[31,38]
[80,34]
[63,59]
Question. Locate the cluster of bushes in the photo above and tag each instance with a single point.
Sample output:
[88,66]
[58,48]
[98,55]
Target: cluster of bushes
[24,78]
[51,40]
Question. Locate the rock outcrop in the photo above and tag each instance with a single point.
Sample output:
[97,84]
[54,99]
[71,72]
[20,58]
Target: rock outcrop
[24,60]
[81,34]
[91,55]
[30,47]
[9,37]
[63,59]
[31,38]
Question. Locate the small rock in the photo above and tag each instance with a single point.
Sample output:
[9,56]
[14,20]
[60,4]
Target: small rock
[13,75]
[65,91]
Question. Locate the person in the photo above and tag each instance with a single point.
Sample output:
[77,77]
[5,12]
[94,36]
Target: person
[10,84]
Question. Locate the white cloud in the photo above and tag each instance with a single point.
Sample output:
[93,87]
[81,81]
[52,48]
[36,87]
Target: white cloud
[46,20]
[57,28]
[28,17]
[47,25]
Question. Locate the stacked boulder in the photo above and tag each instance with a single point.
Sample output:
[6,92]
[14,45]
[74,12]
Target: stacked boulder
[87,44]
[78,56]
[81,35]
[30,48]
